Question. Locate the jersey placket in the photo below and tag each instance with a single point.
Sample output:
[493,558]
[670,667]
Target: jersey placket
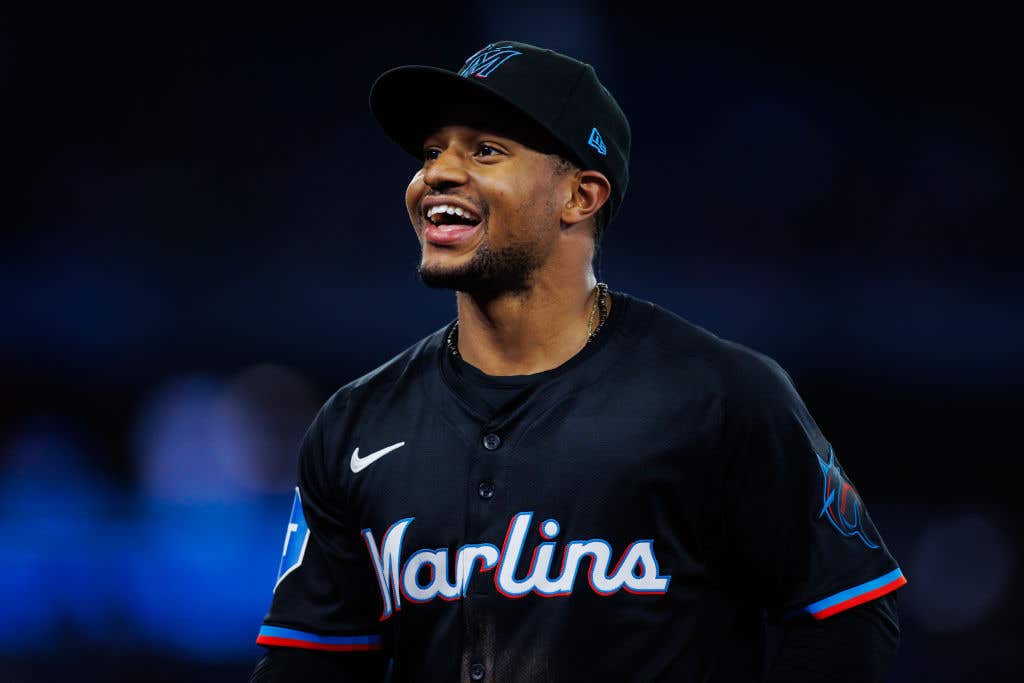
[492,447]
[488,494]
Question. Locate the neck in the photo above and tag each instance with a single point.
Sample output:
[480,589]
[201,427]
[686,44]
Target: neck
[526,332]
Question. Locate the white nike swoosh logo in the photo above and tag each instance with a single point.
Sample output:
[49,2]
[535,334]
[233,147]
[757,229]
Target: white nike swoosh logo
[359,464]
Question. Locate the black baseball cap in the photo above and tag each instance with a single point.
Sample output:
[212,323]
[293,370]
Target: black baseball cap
[559,97]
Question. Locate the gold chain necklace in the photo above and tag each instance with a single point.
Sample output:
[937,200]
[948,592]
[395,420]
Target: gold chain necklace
[600,308]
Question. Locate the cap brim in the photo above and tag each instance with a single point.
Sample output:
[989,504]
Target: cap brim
[410,102]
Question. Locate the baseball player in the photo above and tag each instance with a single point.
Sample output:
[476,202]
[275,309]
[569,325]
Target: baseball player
[566,482]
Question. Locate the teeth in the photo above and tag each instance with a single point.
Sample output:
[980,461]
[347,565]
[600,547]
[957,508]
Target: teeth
[450,210]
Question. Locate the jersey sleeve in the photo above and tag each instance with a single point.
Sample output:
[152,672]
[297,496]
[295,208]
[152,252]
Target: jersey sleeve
[323,598]
[796,535]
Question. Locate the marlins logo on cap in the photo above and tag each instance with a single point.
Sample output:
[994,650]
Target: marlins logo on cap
[484,62]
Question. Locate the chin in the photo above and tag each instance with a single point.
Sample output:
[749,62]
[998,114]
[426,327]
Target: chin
[436,276]
[484,271]
[438,263]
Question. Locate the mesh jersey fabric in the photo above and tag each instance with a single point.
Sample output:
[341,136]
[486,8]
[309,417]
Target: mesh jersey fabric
[650,501]
[491,394]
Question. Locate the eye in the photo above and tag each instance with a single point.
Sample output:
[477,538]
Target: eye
[488,151]
[430,153]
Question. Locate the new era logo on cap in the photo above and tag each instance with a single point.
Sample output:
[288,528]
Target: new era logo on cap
[597,143]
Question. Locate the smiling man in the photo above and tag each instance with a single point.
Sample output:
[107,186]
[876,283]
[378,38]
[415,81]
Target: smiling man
[565,482]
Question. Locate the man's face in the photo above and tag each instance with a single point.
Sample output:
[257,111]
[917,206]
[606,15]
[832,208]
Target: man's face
[510,199]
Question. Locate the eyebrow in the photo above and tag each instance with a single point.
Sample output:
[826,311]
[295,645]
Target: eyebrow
[481,130]
[436,138]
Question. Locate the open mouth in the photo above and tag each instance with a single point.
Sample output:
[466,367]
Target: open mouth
[448,224]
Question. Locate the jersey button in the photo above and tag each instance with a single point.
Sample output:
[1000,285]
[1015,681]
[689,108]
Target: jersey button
[492,441]
[476,672]
[486,489]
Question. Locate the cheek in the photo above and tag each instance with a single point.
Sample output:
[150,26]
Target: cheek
[413,195]
[536,204]
[505,204]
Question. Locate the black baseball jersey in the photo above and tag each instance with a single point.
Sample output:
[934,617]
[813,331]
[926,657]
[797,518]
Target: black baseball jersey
[633,514]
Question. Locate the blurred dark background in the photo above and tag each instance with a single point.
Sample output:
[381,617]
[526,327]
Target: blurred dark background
[204,235]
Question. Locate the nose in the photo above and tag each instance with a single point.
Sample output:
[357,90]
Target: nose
[446,170]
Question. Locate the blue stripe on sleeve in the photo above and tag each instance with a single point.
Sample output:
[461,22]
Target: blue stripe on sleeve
[279,632]
[851,593]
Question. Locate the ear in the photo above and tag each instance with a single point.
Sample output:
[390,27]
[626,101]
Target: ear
[590,190]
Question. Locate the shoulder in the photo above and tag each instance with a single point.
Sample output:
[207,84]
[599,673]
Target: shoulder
[696,356]
[398,373]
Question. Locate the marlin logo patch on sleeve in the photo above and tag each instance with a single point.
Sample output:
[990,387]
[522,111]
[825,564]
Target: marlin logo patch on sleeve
[840,503]
[295,540]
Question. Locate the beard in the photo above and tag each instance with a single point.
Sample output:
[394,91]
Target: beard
[490,272]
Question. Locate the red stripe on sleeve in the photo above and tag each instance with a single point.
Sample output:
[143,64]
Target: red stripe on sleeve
[306,645]
[861,599]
